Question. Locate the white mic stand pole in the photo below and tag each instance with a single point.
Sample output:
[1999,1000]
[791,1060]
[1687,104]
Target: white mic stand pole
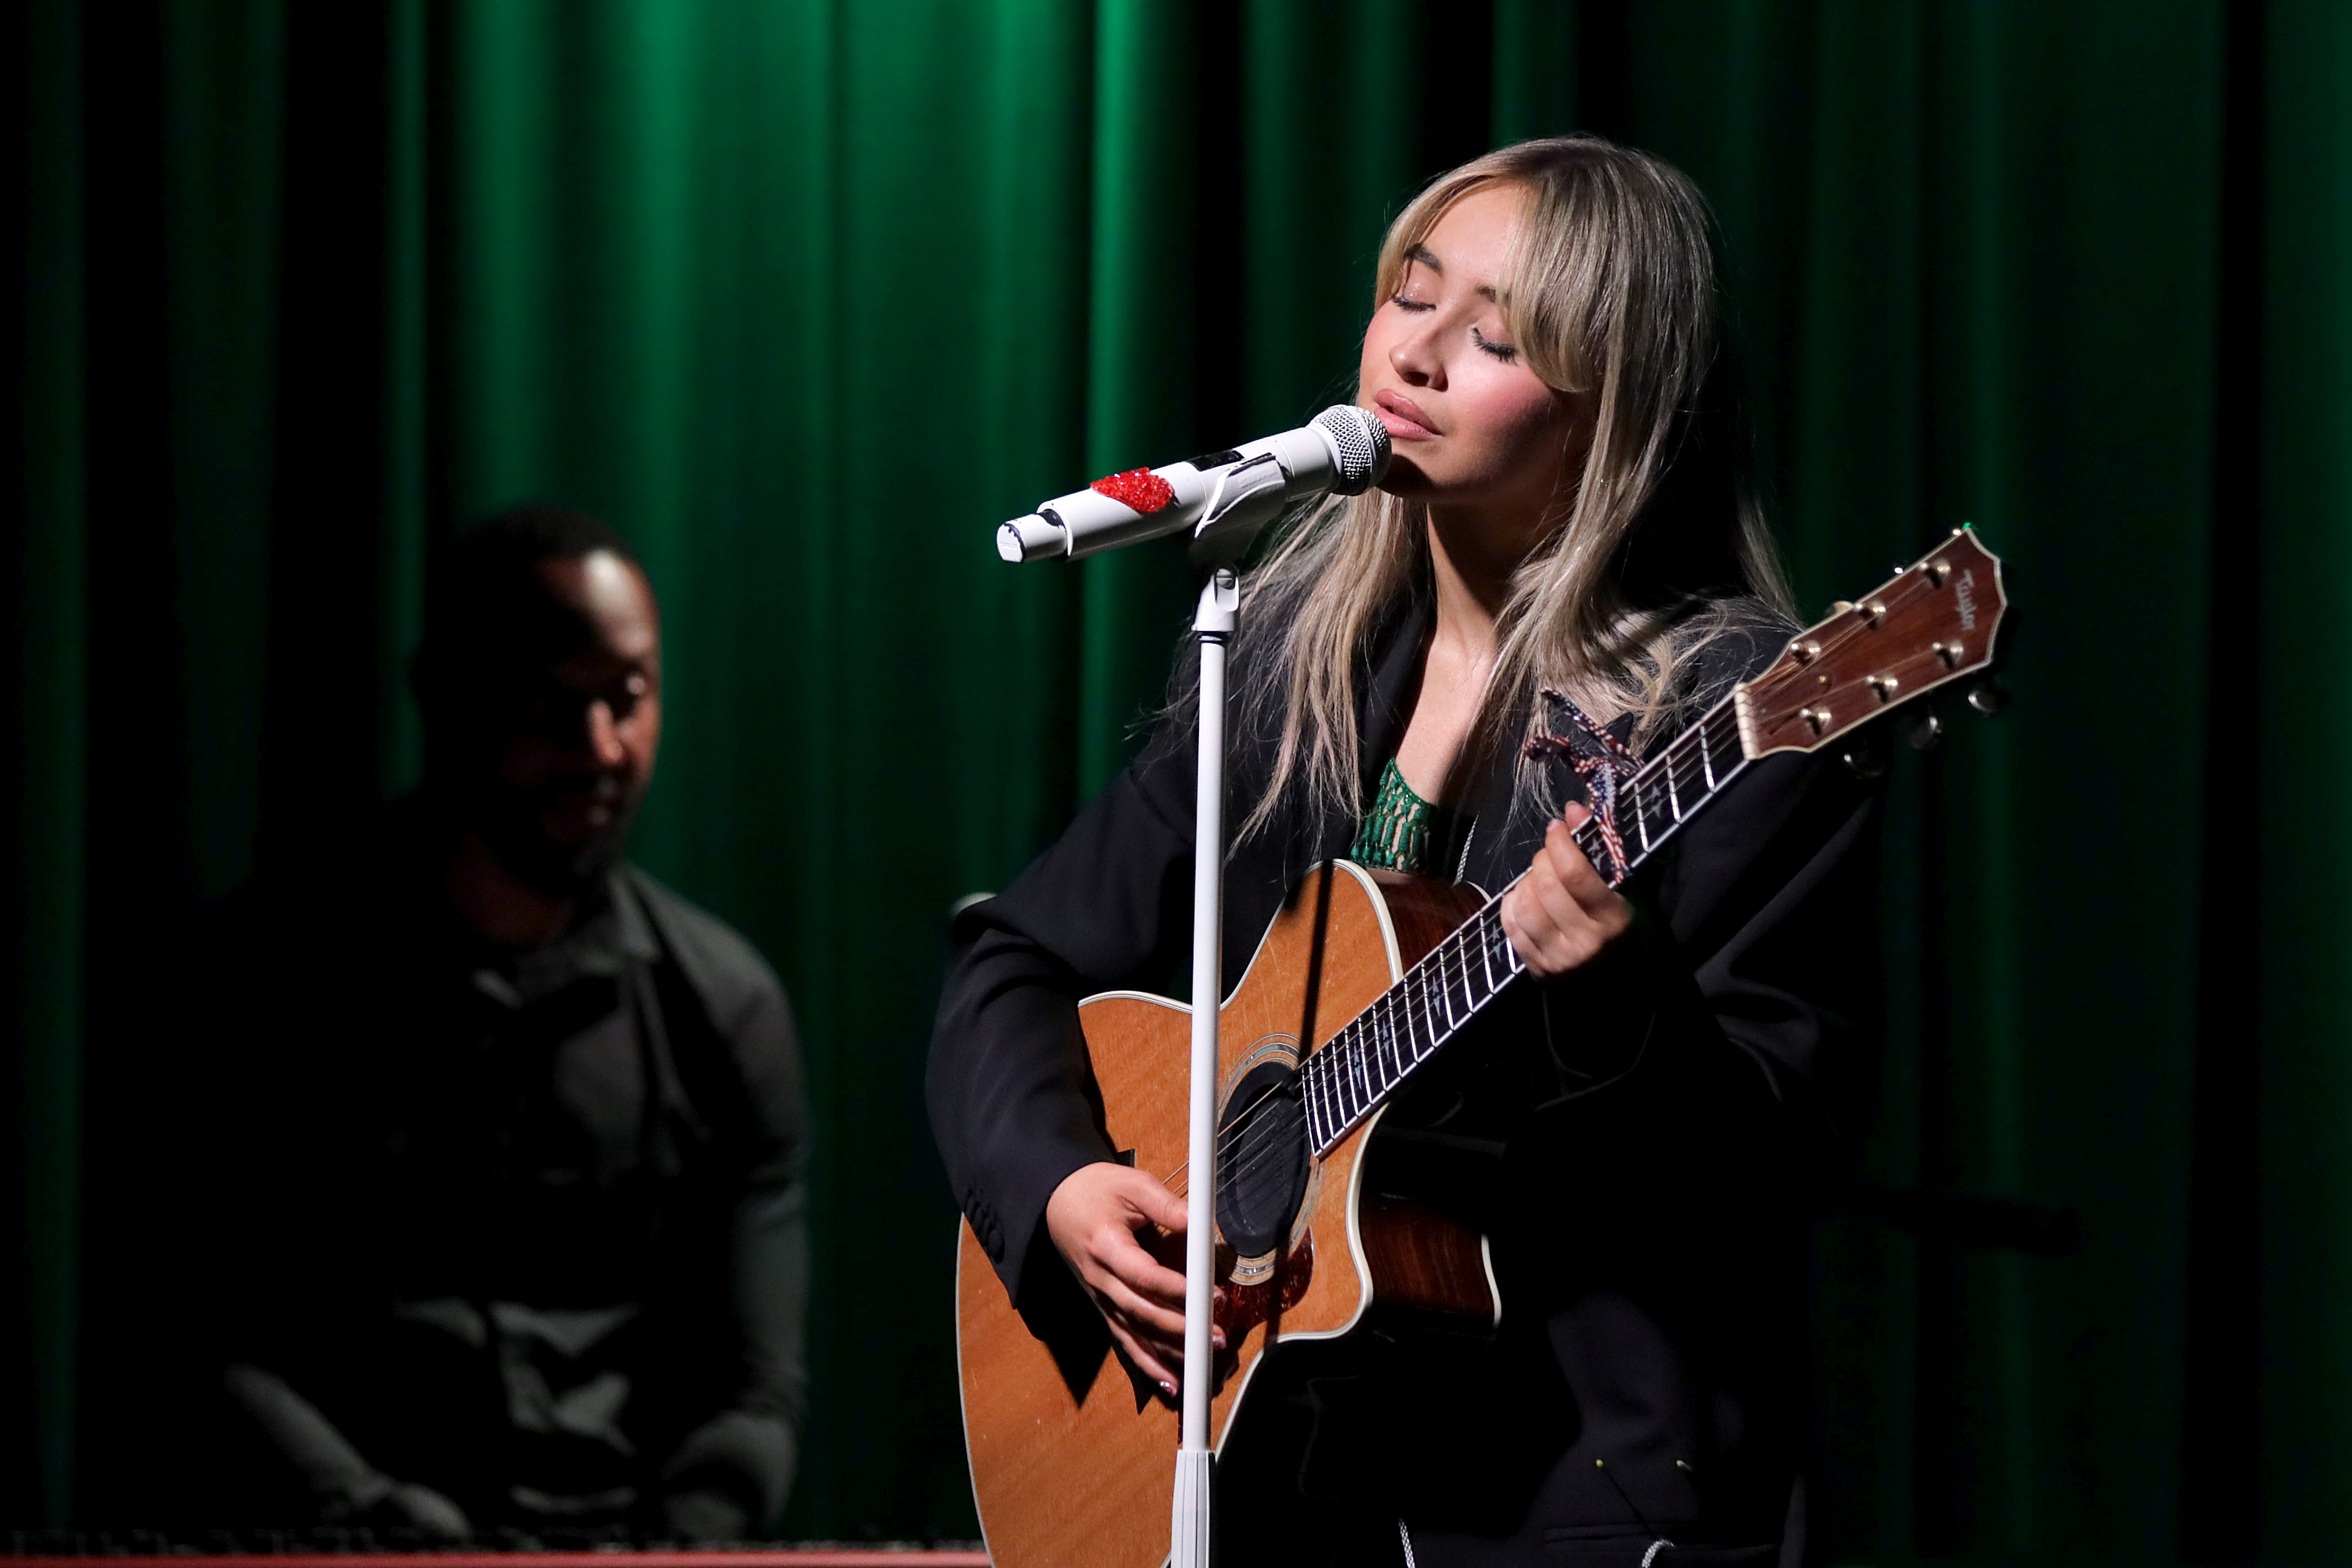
[1348,449]
[1212,624]
[1244,501]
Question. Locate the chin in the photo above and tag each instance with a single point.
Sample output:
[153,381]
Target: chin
[561,862]
[585,859]
[1405,481]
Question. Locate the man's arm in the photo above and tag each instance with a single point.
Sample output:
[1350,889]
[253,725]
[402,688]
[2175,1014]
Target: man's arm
[729,1477]
[727,1481]
[344,1488]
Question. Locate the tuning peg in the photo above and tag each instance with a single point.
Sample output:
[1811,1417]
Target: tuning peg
[1926,730]
[1864,757]
[1986,698]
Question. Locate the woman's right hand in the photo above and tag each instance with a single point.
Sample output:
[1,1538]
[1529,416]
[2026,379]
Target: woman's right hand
[1094,1218]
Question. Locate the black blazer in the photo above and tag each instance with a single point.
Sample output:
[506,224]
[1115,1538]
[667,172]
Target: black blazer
[1641,1140]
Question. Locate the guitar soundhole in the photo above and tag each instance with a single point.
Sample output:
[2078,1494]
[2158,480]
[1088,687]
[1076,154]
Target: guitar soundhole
[1261,1159]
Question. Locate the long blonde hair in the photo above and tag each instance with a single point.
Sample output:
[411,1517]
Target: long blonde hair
[1609,290]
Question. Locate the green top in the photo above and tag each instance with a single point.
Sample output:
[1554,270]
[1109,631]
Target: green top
[1399,830]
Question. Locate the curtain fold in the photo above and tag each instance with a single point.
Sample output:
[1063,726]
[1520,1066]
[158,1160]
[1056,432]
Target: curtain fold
[2293,695]
[808,296]
[1161,278]
[46,853]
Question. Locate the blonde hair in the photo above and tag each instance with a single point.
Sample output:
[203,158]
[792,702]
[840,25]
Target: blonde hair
[1609,291]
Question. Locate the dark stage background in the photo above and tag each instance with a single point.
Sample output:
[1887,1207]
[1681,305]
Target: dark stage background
[806,296]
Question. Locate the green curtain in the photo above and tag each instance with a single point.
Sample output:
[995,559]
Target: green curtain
[2285,511]
[806,296]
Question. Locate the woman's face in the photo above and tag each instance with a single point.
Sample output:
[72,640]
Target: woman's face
[1470,425]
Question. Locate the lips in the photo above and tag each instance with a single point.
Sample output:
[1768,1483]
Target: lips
[1403,417]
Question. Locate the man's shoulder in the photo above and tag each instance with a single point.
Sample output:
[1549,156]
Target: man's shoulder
[752,1081]
[719,960]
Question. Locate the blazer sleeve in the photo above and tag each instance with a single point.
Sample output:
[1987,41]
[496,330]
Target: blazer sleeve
[1733,1021]
[1012,1100]
[1735,1018]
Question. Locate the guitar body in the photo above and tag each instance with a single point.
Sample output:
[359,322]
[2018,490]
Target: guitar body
[1073,1456]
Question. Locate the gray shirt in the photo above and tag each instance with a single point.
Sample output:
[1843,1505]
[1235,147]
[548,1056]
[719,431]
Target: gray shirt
[526,1230]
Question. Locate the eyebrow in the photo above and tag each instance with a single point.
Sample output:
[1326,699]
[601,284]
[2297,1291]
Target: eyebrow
[1428,259]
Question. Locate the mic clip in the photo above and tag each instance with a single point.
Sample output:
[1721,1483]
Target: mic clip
[1243,500]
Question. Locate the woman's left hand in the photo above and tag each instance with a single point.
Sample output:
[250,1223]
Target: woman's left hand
[1562,915]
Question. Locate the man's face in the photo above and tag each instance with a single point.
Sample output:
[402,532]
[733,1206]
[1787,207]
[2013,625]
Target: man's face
[573,724]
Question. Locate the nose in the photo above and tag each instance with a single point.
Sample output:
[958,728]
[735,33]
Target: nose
[604,735]
[1414,356]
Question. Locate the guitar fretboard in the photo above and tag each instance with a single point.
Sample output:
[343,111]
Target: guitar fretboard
[1377,1050]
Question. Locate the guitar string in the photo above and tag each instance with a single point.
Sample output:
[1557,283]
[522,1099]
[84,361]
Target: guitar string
[1341,1052]
[1472,957]
[1247,1113]
[1410,1044]
[1268,1143]
[1908,585]
[1696,747]
[1696,739]
[1354,1040]
[1234,1138]
[1353,1046]
[1247,1141]
[1251,1146]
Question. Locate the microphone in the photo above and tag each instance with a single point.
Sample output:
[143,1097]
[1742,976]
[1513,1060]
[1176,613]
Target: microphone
[1217,496]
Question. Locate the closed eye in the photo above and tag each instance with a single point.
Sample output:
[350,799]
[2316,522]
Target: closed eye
[1502,351]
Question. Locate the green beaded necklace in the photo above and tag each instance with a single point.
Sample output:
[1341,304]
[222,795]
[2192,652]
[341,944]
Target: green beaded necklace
[1396,832]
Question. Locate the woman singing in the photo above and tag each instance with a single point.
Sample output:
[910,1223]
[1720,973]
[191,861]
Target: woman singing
[1565,538]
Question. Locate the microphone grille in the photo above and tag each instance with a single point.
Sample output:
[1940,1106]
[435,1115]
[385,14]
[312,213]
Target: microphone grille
[1363,446]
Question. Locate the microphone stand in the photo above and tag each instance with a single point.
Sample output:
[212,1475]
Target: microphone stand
[1245,501]
[1214,623]
[1243,497]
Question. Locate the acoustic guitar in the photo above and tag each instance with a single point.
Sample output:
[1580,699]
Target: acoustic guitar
[1364,977]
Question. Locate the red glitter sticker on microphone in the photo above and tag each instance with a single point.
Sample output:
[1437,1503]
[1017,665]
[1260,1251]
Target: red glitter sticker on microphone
[1139,490]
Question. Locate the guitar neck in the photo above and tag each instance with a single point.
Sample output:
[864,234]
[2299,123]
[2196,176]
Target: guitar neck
[1932,624]
[1362,1064]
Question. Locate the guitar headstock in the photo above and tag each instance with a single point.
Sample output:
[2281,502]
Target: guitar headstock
[1935,623]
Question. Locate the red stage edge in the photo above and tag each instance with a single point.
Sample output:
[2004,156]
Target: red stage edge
[820,1557]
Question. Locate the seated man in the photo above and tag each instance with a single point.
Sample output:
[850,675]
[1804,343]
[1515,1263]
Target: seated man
[502,1177]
